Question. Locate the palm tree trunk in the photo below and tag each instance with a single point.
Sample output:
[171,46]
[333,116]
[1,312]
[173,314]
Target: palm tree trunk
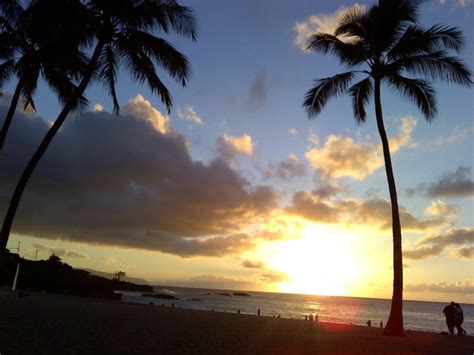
[10,113]
[394,324]
[30,167]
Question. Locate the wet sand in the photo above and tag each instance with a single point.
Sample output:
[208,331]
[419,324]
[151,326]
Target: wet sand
[55,324]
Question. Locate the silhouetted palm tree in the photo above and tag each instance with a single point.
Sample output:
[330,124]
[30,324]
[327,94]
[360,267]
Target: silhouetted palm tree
[123,32]
[391,48]
[51,52]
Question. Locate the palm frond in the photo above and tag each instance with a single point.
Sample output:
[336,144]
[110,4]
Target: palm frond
[29,105]
[437,66]
[387,20]
[348,53]
[8,44]
[323,89]
[142,69]
[7,70]
[419,91]
[168,14]
[360,94]
[108,74]
[11,10]
[351,22]
[417,40]
[28,76]
[64,88]
[161,51]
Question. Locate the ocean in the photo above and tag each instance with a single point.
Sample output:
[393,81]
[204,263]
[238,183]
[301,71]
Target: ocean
[418,315]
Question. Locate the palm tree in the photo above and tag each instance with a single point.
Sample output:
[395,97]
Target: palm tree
[386,45]
[123,32]
[27,53]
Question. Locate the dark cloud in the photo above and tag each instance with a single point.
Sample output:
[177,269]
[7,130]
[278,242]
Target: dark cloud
[310,207]
[228,147]
[466,252]
[435,245]
[258,92]
[442,287]
[287,169]
[325,188]
[274,277]
[410,192]
[253,264]
[63,253]
[371,211]
[215,282]
[128,180]
[457,184]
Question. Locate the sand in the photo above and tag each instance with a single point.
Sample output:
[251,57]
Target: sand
[55,324]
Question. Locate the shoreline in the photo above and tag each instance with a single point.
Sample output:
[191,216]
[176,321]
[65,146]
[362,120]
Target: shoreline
[54,324]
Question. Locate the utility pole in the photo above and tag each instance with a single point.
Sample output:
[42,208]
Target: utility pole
[18,248]
[36,255]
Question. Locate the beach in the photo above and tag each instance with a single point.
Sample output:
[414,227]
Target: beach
[60,324]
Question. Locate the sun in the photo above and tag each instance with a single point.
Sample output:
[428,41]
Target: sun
[322,262]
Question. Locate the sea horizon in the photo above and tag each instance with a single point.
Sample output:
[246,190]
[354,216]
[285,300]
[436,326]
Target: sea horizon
[418,315]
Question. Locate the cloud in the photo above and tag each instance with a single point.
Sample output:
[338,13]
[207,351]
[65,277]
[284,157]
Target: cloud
[435,245]
[458,134]
[343,156]
[129,181]
[313,139]
[466,252]
[274,277]
[439,208]
[310,207]
[410,192]
[217,282]
[61,252]
[293,131]
[457,3]
[141,108]
[253,264]
[442,287]
[98,107]
[325,23]
[190,114]
[325,188]
[229,146]
[457,184]
[258,92]
[286,169]
[373,212]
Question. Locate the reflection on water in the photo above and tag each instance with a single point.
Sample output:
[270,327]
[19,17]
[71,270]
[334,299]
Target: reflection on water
[418,315]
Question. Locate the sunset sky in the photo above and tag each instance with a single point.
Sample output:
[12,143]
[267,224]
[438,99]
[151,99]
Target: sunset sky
[237,188]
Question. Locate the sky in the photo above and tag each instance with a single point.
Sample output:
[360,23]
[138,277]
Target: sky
[236,188]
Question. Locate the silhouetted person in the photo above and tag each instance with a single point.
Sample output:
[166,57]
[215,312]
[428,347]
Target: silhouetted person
[316,318]
[310,317]
[450,314]
[258,312]
[306,317]
[369,323]
[381,324]
[459,319]
[238,311]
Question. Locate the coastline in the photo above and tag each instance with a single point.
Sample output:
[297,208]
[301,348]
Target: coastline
[59,324]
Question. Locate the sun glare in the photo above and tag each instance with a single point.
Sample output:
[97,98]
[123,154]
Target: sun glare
[323,261]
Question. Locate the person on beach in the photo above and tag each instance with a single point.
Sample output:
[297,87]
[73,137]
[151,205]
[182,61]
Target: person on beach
[450,314]
[459,319]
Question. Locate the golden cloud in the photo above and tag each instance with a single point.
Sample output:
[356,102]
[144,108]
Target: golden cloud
[343,156]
